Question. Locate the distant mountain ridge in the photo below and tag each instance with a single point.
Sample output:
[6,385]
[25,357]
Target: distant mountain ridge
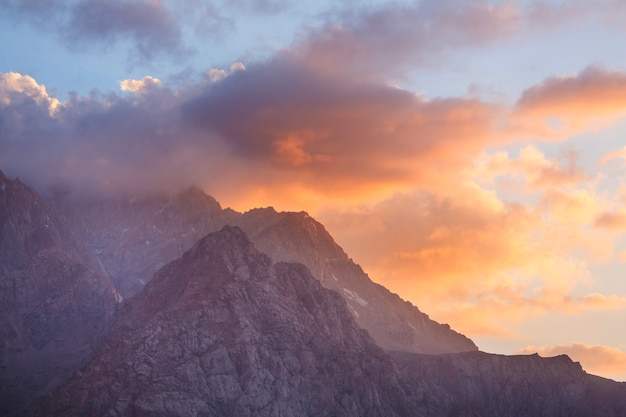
[222,329]
[134,237]
[224,332]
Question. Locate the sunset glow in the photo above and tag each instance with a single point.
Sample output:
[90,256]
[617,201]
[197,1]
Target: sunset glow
[470,156]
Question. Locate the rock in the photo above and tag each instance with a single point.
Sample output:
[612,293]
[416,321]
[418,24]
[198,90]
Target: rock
[223,331]
[29,224]
[488,385]
[135,236]
[52,313]
[395,324]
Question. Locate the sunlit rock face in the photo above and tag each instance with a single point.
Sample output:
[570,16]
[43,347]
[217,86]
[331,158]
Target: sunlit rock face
[223,331]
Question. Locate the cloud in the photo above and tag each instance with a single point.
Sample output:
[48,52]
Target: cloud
[16,88]
[385,40]
[140,86]
[595,359]
[261,6]
[25,107]
[150,25]
[562,106]
[619,154]
[472,259]
[531,170]
[611,220]
[337,135]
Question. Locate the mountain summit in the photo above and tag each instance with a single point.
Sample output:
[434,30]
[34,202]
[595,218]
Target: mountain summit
[133,237]
[223,331]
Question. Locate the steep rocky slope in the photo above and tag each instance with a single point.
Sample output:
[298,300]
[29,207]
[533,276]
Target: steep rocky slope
[51,314]
[487,385]
[394,323]
[29,224]
[133,237]
[224,332]
[54,301]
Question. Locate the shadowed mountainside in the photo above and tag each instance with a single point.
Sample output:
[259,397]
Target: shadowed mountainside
[54,301]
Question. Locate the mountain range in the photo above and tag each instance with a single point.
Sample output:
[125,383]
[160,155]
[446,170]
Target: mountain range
[170,305]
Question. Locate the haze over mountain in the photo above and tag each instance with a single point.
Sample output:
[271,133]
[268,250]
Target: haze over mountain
[134,236]
[468,155]
[222,331]
[225,330]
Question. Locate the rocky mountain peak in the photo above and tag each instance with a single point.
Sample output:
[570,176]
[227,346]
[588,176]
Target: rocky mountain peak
[222,331]
[30,224]
[394,323]
[134,236]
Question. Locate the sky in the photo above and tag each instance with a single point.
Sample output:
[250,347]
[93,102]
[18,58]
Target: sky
[470,155]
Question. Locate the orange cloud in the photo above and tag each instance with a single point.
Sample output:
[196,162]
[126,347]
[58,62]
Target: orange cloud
[561,106]
[619,154]
[600,360]
[340,138]
[471,259]
[531,170]
[615,220]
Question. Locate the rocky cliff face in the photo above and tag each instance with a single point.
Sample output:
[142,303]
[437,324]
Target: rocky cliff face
[394,323]
[223,331]
[51,315]
[54,301]
[486,385]
[134,237]
[29,224]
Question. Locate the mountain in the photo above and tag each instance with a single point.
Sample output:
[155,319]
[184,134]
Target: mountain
[134,237]
[395,324]
[488,385]
[54,301]
[223,331]
[51,314]
[29,224]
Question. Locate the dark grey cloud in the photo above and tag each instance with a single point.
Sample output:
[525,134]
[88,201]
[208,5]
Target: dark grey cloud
[151,26]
